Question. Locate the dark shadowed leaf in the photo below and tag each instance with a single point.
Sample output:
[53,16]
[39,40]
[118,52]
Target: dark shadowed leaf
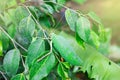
[11,62]
[44,21]
[25,30]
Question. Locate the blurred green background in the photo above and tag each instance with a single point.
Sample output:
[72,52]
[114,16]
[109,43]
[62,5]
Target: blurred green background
[107,10]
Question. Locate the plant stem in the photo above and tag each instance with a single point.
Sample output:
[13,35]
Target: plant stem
[7,35]
[37,22]
[13,41]
[33,17]
[50,42]
[63,6]
[47,53]
[3,75]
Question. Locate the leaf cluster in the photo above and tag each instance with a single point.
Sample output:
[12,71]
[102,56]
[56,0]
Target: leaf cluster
[34,48]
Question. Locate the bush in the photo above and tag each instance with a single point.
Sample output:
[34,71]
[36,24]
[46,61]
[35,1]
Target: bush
[35,44]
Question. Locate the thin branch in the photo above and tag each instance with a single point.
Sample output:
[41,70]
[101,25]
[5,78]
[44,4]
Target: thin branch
[65,7]
[25,67]
[33,17]
[20,46]
[43,57]
[6,33]
[46,37]
[56,4]
[47,53]
[8,36]
[37,23]
[3,75]
[13,41]
[23,62]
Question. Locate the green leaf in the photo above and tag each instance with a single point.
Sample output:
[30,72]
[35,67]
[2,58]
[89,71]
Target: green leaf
[12,16]
[64,48]
[94,17]
[94,39]
[25,30]
[11,62]
[20,13]
[105,43]
[12,3]
[1,49]
[102,33]
[5,18]
[47,9]
[4,40]
[36,12]
[7,4]
[92,62]
[41,69]
[83,28]
[96,65]
[35,50]
[44,21]
[18,77]
[66,65]
[71,18]
[2,5]
[12,30]
[62,72]
[79,1]
[23,40]
[79,40]
[26,26]
[61,2]
[40,34]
